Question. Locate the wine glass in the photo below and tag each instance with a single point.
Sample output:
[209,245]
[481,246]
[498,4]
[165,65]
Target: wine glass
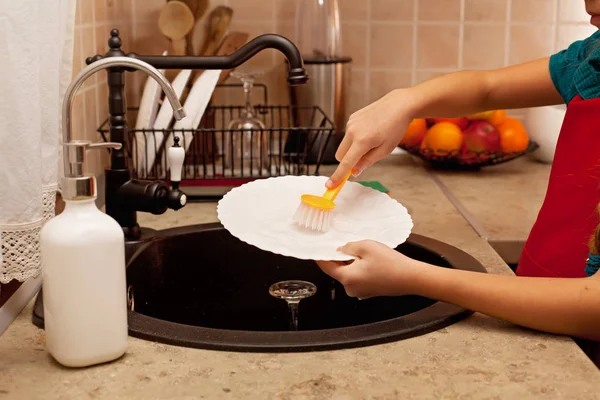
[248,131]
[292,292]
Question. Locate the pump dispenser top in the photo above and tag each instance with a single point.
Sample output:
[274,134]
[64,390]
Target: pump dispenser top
[75,185]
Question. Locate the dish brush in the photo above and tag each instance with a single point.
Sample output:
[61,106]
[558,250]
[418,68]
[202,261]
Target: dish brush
[314,212]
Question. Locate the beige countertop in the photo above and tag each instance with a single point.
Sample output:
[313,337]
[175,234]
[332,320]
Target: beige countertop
[504,199]
[477,358]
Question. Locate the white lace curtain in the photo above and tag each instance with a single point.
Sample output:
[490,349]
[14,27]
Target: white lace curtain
[36,57]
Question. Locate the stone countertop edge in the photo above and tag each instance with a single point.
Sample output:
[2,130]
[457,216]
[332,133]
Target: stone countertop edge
[477,358]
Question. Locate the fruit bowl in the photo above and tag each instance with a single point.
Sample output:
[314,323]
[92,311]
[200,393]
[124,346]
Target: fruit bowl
[467,143]
[455,160]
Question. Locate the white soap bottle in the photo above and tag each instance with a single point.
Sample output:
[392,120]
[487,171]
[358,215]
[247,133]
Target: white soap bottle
[83,267]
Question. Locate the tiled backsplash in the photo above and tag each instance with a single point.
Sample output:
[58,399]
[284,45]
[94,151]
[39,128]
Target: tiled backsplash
[393,43]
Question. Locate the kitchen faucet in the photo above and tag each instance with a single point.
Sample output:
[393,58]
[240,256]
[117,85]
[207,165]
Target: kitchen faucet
[125,196]
[161,197]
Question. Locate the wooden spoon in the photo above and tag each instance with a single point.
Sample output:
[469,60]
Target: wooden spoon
[219,21]
[201,8]
[175,22]
[198,8]
[191,4]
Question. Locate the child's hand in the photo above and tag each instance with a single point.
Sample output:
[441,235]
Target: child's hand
[377,270]
[371,134]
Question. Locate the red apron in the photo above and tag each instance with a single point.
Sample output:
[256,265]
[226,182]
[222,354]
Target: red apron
[557,245]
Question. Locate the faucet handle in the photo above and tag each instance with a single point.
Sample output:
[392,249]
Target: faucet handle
[176,156]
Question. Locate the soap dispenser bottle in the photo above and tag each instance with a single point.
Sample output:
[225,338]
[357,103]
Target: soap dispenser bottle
[83,267]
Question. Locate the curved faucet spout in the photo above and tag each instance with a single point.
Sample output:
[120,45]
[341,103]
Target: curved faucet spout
[109,62]
[296,74]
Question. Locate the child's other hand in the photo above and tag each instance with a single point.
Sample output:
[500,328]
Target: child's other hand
[371,134]
[377,270]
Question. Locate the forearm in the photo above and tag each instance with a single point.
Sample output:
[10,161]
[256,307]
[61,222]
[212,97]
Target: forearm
[453,95]
[561,306]
[467,92]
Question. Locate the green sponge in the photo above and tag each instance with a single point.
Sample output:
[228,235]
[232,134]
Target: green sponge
[375,185]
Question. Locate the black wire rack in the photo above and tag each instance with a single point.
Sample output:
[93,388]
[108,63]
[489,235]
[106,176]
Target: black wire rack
[293,142]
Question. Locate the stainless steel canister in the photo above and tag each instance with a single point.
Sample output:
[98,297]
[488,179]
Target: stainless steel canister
[329,89]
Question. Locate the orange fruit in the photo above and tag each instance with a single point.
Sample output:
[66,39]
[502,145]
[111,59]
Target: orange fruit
[442,138]
[414,133]
[513,135]
[498,117]
[462,123]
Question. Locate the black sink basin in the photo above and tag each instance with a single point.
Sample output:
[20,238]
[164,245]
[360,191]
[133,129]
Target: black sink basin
[199,286]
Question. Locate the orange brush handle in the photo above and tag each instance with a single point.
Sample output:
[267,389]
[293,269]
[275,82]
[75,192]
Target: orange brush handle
[331,194]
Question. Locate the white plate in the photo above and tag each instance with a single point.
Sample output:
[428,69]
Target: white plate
[260,213]
[164,117]
[146,117]
[195,105]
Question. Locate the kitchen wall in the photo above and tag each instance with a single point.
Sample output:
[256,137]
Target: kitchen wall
[400,43]
[394,43]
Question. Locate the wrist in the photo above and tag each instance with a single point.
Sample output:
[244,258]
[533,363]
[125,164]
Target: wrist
[407,98]
[410,276]
[422,278]
[400,108]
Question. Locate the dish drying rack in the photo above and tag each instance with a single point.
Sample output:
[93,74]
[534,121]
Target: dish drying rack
[215,158]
